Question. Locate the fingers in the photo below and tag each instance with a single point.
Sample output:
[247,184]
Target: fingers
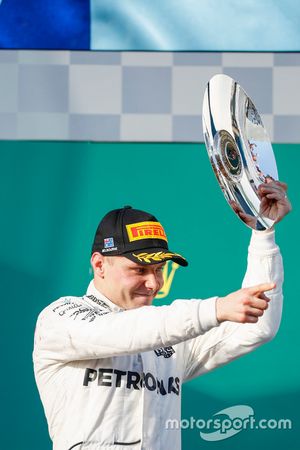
[264,203]
[271,187]
[258,303]
[254,314]
[265,189]
[254,309]
[261,288]
[274,201]
[270,181]
[236,208]
[245,305]
[251,305]
[275,196]
[255,304]
[250,319]
[264,297]
[284,186]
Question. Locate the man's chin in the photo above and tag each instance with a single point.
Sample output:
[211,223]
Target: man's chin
[144,299]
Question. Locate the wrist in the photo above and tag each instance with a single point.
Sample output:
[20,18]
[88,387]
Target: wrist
[219,315]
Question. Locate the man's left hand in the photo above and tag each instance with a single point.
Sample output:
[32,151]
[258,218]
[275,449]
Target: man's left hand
[274,202]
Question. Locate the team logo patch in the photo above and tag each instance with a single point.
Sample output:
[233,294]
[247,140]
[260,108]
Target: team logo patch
[109,242]
[145,230]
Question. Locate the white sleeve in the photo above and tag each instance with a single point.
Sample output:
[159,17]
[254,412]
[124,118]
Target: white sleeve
[61,338]
[231,340]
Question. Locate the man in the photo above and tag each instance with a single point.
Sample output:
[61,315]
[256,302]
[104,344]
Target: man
[109,366]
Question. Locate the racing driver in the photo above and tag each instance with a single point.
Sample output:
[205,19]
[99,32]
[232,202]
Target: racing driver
[109,366]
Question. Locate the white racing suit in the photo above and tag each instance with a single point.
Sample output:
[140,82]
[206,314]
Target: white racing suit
[110,379]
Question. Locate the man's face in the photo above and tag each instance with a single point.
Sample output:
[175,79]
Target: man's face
[128,284]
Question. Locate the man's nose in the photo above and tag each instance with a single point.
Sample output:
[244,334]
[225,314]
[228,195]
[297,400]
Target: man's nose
[152,282]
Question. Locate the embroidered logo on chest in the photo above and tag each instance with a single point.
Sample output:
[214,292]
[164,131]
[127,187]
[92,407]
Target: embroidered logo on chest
[166,352]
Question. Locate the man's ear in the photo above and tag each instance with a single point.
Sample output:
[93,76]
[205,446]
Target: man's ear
[97,262]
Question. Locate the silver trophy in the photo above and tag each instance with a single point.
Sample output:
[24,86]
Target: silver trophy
[238,147]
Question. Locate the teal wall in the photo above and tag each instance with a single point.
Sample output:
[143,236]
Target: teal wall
[52,197]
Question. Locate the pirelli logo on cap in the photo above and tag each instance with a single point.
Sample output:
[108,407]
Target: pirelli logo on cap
[145,230]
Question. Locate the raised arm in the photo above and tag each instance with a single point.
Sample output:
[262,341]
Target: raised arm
[248,317]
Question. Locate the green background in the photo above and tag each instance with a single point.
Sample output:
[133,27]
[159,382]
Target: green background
[53,195]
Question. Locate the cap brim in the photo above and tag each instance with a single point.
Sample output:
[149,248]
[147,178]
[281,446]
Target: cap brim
[148,256]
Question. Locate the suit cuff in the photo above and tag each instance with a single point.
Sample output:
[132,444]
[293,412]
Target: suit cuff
[207,314]
[263,242]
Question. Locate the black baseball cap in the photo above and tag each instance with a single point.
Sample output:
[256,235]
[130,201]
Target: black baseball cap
[135,234]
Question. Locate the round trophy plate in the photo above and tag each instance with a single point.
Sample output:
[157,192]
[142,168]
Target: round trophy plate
[238,147]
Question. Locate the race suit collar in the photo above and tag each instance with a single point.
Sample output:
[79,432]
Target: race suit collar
[93,292]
